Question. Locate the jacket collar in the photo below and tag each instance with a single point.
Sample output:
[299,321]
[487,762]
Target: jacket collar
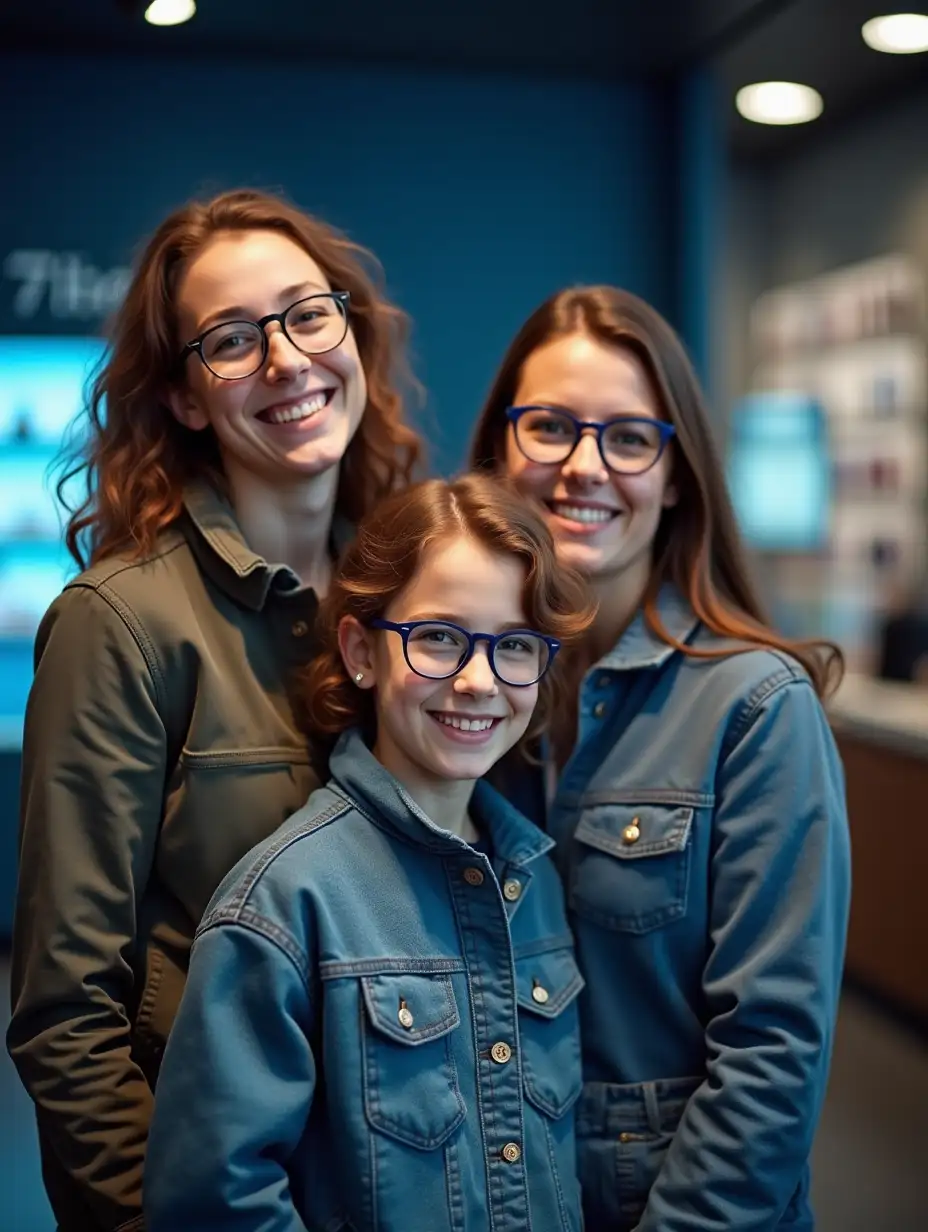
[638,647]
[357,774]
[216,540]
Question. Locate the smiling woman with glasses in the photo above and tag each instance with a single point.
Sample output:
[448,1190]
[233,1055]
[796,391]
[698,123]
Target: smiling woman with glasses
[691,783]
[249,411]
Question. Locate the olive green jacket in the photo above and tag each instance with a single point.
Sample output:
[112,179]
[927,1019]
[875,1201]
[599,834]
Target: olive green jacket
[160,745]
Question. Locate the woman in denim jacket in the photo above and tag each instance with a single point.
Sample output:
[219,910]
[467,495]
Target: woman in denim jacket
[379,1030]
[694,791]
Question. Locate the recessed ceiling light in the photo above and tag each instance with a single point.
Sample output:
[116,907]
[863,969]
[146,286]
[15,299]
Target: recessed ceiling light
[779,102]
[899,34]
[170,12]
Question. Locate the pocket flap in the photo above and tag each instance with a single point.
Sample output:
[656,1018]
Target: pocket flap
[548,982]
[635,831]
[411,1009]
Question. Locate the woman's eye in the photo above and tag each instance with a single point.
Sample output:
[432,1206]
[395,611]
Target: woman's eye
[231,341]
[549,427]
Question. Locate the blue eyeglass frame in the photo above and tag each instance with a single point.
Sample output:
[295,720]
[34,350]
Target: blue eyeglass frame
[666,431]
[404,628]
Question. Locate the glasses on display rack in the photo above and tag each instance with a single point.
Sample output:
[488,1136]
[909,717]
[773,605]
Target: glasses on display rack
[628,444]
[437,650]
[234,350]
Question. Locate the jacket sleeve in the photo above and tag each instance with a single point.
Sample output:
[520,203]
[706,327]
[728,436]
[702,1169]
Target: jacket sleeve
[234,1092]
[91,805]
[779,900]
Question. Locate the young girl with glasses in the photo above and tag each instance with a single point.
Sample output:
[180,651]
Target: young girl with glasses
[248,411]
[692,786]
[379,1030]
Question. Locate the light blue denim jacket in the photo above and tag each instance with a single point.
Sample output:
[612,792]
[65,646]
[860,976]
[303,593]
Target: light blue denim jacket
[703,841]
[378,1032]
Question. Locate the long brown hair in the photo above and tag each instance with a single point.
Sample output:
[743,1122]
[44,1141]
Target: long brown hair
[697,546]
[136,458]
[384,558]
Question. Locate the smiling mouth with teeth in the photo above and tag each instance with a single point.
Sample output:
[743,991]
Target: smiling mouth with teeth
[463,724]
[298,411]
[582,513]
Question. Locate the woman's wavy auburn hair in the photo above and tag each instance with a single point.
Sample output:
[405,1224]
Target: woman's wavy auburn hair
[136,458]
[391,546]
[697,546]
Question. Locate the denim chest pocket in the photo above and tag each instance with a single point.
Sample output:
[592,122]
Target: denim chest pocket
[630,865]
[548,984]
[411,1090]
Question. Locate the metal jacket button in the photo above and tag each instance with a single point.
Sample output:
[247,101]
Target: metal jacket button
[473,876]
[631,834]
[539,994]
[299,628]
[511,1152]
[512,889]
[501,1053]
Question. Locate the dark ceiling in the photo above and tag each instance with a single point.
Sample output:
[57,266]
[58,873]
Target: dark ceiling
[816,41]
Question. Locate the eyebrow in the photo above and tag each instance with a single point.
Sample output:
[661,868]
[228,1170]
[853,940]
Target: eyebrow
[456,620]
[546,404]
[237,313]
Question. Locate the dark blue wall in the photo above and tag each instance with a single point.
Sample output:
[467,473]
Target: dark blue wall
[481,194]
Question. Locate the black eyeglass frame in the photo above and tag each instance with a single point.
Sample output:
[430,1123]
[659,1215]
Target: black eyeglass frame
[405,628]
[665,430]
[342,298]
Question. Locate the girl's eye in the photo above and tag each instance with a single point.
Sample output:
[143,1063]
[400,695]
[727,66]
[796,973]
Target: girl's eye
[516,645]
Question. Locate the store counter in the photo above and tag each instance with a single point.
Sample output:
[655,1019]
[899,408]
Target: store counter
[882,732]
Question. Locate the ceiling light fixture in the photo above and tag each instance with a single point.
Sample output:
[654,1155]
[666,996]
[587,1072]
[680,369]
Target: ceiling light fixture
[779,102]
[170,12]
[898,34]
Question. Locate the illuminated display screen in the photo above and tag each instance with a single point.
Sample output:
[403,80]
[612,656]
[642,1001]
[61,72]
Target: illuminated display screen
[42,384]
[779,472]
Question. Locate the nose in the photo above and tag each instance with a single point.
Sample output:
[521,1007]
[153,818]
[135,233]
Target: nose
[476,676]
[586,463]
[284,360]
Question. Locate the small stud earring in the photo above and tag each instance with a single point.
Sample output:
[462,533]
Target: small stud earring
[359,678]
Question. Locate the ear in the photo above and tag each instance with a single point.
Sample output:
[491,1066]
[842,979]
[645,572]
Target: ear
[185,408]
[671,496]
[355,644]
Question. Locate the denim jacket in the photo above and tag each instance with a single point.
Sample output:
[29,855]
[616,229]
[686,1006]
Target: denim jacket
[703,842]
[379,1029]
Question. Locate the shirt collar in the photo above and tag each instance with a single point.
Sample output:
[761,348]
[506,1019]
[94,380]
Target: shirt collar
[357,773]
[640,647]
[216,539]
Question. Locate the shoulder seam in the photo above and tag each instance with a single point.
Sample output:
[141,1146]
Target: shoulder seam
[88,582]
[759,695]
[255,922]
